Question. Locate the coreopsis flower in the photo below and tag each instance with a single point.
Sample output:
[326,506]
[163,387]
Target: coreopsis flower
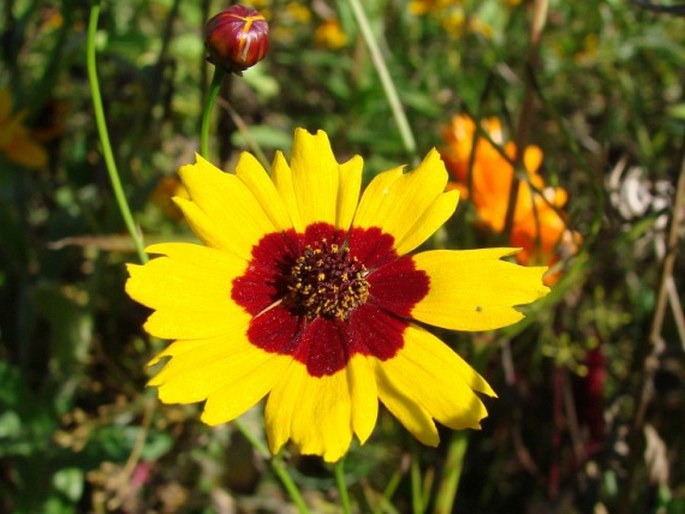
[538,225]
[17,143]
[237,38]
[306,292]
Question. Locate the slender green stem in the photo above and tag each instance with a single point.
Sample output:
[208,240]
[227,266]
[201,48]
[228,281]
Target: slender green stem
[104,134]
[388,85]
[245,131]
[210,100]
[277,466]
[415,476]
[342,486]
[454,464]
[256,443]
[389,491]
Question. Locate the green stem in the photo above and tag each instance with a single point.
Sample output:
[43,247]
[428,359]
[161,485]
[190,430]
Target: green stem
[256,443]
[415,476]
[342,486]
[104,134]
[277,466]
[454,464]
[210,100]
[388,85]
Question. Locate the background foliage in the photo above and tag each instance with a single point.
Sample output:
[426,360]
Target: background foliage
[590,414]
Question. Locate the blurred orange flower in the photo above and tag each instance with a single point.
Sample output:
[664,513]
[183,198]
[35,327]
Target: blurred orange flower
[330,35]
[162,195]
[421,7]
[16,142]
[538,226]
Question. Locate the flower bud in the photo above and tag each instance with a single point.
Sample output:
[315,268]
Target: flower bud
[237,38]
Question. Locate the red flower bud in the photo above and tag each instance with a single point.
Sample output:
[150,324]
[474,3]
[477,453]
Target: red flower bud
[237,38]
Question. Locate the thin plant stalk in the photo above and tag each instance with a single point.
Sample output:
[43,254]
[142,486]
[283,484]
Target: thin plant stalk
[342,486]
[277,466]
[281,472]
[540,9]
[103,134]
[393,98]
[454,465]
[652,349]
[210,100]
[245,131]
[417,501]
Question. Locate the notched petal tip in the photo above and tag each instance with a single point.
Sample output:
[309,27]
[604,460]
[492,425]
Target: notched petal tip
[131,267]
[210,421]
[476,290]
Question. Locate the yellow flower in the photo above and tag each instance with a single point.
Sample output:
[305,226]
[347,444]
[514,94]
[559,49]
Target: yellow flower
[16,142]
[422,7]
[330,35]
[298,12]
[305,291]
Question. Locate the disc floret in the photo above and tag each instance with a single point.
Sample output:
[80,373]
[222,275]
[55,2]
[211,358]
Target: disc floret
[327,281]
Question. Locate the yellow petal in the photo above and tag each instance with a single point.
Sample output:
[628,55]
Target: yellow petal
[208,258]
[211,233]
[373,204]
[282,178]
[364,396]
[433,377]
[315,413]
[186,324]
[280,406]
[229,203]
[176,379]
[190,290]
[187,274]
[245,391]
[411,206]
[431,220]
[315,176]
[348,194]
[252,174]
[413,417]
[475,289]
[198,368]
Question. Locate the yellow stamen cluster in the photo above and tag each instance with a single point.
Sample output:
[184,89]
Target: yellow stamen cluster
[327,282]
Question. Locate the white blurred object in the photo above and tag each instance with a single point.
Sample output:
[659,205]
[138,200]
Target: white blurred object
[633,195]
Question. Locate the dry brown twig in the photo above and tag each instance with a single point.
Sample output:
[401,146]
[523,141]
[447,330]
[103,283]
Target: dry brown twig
[655,343]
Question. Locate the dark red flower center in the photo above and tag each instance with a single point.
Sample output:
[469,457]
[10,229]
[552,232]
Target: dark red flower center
[327,281]
[328,294]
